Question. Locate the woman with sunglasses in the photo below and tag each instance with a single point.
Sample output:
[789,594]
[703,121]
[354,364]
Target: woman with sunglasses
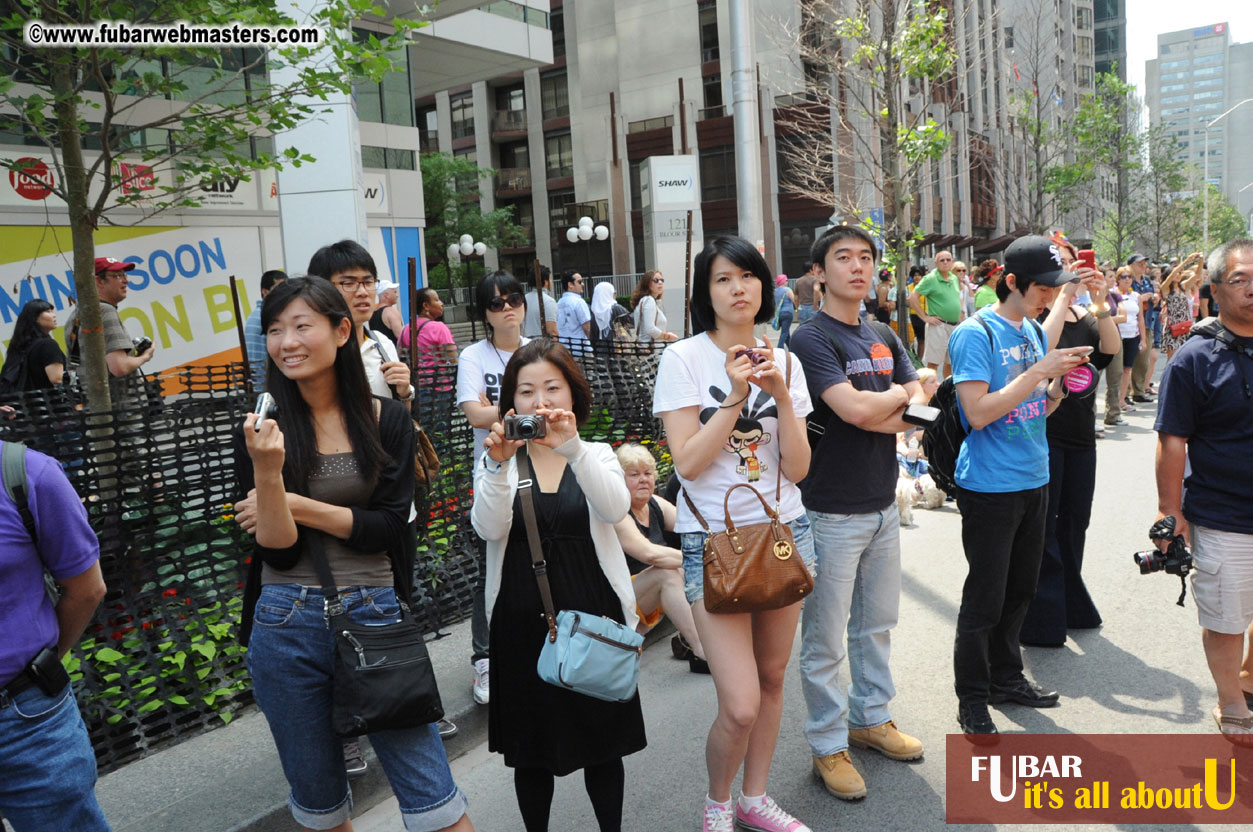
[501,306]
[650,319]
[731,418]
[335,463]
[579,493]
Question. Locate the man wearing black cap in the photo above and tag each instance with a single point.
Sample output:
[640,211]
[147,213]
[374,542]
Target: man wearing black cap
[119,347]
[1001,368]
[1146,360]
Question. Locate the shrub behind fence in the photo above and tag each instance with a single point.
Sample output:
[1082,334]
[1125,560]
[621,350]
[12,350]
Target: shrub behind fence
[160,661]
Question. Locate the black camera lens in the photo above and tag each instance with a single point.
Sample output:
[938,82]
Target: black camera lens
[1149,562]
[526,428]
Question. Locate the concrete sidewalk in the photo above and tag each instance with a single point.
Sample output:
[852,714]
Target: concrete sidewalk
[230,779]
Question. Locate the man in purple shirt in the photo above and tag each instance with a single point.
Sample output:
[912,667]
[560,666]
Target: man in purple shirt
[47,766]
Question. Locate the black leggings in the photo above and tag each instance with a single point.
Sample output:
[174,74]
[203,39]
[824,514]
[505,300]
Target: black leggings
[605,784]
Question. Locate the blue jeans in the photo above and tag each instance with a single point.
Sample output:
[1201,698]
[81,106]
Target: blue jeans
[693,544]
[47,767]
[804,313]
[785,330]
[291,661]
[858,589]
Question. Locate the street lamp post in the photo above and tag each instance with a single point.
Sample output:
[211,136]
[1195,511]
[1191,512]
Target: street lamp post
[584,231]
[1205,172]
[466,247]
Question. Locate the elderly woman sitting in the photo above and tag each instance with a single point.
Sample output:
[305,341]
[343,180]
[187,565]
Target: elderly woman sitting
[647,536]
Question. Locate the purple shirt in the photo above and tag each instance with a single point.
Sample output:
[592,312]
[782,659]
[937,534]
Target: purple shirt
[67,547]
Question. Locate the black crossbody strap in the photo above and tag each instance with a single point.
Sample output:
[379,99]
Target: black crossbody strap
[330,591]
[526,484]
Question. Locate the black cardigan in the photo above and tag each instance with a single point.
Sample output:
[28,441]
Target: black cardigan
[384,524]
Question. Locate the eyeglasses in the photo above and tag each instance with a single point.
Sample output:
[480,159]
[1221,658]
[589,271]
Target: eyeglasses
[350,284]
[497,304]
[1237,283]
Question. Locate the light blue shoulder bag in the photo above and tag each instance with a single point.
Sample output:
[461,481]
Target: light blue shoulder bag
[589,654]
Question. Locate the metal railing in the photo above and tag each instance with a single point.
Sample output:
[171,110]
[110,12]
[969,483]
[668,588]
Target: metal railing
[509,121]
[650,124]
[513,179]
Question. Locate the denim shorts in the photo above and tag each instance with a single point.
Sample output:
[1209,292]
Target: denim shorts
[693,544]
[291,659]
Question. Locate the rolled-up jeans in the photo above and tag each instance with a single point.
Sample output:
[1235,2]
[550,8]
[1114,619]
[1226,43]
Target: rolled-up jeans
[858,591]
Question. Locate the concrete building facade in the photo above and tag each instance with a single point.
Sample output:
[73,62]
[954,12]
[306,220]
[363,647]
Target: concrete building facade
[639,78]
[1197,76]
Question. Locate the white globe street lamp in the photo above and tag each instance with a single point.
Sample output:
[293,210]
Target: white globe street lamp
[584,231]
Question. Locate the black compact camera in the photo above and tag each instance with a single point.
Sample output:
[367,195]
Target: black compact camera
[142,343]
[1176,560]
[531,426]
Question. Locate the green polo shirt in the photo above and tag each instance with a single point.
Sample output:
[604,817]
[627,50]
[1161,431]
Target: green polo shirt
[944,297]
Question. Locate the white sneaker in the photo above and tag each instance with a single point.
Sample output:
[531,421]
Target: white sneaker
[481,688]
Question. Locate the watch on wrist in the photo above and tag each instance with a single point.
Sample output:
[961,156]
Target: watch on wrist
[1102,314]
[413,393]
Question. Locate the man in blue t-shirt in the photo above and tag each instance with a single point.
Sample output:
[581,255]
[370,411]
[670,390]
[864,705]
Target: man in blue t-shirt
[47,766]
[860,380]
[1001,368]
[1205,418]
[574,318]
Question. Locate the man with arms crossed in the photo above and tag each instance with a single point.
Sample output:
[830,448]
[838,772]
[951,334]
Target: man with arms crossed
[1002,367]
[860,379]
[942,289]
[1205,418]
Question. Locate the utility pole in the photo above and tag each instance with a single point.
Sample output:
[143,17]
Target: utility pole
[744,112]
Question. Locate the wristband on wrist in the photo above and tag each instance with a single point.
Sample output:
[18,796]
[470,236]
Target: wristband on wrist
[491,465]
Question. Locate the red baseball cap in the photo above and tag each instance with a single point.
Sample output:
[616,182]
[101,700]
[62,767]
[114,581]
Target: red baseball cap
[112,264]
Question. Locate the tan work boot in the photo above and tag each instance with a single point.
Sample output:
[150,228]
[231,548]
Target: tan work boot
[840,776]
[887,740]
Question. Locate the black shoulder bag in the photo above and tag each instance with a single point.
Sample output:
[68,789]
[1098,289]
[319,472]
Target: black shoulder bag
[383,677]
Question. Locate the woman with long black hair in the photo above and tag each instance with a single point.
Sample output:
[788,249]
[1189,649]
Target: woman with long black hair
[335,463]
[34,361]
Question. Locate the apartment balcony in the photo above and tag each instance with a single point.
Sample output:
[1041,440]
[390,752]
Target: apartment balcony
[428,142]
[647,124]
[526,244]
[508,121]
[513,180]
[711,112]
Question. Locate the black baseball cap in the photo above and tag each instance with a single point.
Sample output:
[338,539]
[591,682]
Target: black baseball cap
[1136,258]
[1037,258]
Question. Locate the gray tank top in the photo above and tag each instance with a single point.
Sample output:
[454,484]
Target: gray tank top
[337,480]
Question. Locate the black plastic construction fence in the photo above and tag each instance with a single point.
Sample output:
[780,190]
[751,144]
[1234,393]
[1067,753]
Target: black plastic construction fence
[160,661]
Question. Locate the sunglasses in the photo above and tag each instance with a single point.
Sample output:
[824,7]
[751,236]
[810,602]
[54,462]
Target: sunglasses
[498,303]
[659,280]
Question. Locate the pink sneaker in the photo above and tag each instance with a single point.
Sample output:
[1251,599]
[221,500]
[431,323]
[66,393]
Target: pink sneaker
[767,818]
[718,819]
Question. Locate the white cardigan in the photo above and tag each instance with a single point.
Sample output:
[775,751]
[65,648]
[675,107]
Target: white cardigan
[599,475]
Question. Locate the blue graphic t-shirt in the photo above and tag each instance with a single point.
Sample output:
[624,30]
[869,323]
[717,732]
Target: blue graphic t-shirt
[1012,453]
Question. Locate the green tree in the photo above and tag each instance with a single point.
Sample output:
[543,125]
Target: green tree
[1164,178]
[187,114]
[1225,221]
[451,189]
[883,70]
[1104,148]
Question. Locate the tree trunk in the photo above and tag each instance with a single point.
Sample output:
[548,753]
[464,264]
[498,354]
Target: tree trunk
[92,369]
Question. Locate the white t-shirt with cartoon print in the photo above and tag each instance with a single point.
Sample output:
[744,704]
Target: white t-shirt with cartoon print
[481,369]
[692,372]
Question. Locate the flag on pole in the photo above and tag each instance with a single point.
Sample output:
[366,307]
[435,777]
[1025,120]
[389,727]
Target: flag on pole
[1016,73]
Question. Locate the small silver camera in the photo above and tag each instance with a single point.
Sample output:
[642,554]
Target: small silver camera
[265,409]
[531,426]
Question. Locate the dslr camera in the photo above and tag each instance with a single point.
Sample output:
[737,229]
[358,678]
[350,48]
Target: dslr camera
[1176,560]
[530,426]
[142,343]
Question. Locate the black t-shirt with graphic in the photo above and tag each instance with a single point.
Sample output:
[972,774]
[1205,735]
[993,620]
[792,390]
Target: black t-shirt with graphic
[1073,424]
[852,471]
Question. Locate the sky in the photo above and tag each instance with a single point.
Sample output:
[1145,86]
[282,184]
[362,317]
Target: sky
[1146,19]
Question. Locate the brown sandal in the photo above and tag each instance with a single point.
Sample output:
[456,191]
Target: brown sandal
[1243,735]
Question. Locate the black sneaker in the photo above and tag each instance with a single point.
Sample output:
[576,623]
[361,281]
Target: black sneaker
[354,760]
[1023,692]
[446,729]
[1142,399]
[977,724]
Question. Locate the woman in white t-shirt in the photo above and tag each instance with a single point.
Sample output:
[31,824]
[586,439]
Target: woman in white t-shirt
[729,421]
[650,319]
[1131,331]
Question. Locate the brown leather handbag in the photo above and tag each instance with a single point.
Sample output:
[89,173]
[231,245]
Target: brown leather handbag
[756,567]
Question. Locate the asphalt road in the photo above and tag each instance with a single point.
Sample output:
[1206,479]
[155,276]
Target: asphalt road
[1141,672]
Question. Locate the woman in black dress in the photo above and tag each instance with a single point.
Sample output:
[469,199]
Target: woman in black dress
[579,492]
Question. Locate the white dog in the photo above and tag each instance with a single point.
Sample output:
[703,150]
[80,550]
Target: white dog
[921,491]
